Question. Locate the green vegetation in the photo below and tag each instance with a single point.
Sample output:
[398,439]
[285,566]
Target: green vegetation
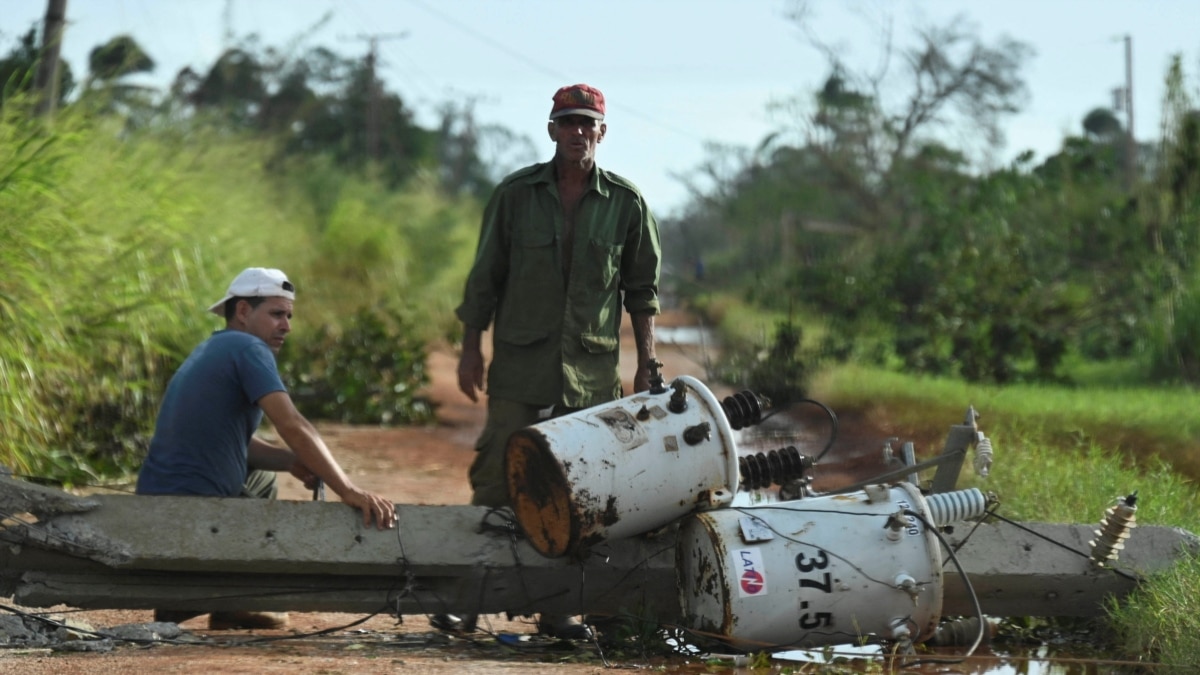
[1060,297]
[126,213]
[1062,454]
[918,257]
[113,245]
[1158,622]
[1136,422]
[368,373]
[1054,460]
[852,257]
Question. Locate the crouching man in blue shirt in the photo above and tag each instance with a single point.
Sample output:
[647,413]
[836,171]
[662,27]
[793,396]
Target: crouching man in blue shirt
[204,441]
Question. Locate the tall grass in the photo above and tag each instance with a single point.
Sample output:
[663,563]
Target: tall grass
[1141,425]
[399,248]
[1158,623]
[112,245]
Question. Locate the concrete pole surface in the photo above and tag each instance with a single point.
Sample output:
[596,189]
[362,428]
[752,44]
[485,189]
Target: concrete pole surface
[199,553]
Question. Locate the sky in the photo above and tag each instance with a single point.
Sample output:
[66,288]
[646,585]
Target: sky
[679,75]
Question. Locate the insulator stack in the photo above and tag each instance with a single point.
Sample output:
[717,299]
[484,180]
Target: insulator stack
[775,467]
[983,456]
[1118,520]
[952,507]
[744,409]
[961,632]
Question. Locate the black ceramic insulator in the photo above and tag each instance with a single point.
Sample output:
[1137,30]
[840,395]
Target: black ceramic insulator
[743,409]
[773,468]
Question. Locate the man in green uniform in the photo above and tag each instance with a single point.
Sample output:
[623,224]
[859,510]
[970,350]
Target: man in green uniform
[562,246]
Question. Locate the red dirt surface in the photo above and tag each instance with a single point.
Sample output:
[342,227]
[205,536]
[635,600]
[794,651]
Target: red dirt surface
[413,465]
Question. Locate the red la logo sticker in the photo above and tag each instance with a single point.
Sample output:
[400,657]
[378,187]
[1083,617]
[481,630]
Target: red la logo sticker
[752,582]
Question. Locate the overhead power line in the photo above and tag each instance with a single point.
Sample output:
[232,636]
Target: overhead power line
[549,72]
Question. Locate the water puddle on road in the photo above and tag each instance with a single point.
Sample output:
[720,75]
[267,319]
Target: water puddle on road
[1068,649]
[693,342]
[692,336]
[1041,660]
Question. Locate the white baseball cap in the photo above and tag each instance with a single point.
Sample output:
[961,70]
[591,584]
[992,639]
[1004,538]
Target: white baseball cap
[256,282]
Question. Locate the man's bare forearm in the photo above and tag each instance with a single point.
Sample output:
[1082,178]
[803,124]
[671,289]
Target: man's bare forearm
[643,336]
[266,457]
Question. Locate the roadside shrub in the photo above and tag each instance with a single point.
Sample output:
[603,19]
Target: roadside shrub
[1175,341]
[106,422]
[782,375]
[776,370]
[367,372]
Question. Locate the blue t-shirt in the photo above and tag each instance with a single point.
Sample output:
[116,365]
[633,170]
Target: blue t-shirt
[208,415]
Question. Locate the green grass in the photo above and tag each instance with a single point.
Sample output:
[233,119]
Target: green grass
[1138,423]
[1159,622]
[1061,455]
[741,323]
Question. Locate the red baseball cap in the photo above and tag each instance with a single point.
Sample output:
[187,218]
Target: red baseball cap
[578,99]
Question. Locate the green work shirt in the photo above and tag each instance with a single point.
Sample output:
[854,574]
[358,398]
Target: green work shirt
[557,343]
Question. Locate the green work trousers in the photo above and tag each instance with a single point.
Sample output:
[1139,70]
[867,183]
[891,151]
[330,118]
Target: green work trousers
[489,485]
[260,484]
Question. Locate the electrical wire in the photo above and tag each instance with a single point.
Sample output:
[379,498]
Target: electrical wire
[833,422]
[1061,545]
[966,583]
[833,554]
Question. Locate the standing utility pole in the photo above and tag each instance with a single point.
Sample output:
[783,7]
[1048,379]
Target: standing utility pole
[374,121]
[1130,143]
[45,82]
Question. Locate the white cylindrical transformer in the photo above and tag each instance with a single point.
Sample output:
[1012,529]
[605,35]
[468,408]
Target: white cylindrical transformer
[813,572]
[621,469]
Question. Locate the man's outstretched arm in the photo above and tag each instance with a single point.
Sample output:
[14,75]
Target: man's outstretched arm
[311,452]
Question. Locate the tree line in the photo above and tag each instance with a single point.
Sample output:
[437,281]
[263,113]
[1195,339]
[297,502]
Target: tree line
[858,208]
[915,254]
[311,101]
[858,214]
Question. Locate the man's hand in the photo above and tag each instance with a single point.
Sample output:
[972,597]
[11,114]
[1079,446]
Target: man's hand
[641,379]
[374,508]
[310,456]
[470,374]
[305,476]
[470,366]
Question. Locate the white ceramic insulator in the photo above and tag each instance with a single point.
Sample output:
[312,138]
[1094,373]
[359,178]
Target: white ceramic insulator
[950,507]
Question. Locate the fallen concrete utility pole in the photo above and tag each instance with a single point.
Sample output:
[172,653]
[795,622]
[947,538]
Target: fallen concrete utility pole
[119,551]
[629,508]
[204,554]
